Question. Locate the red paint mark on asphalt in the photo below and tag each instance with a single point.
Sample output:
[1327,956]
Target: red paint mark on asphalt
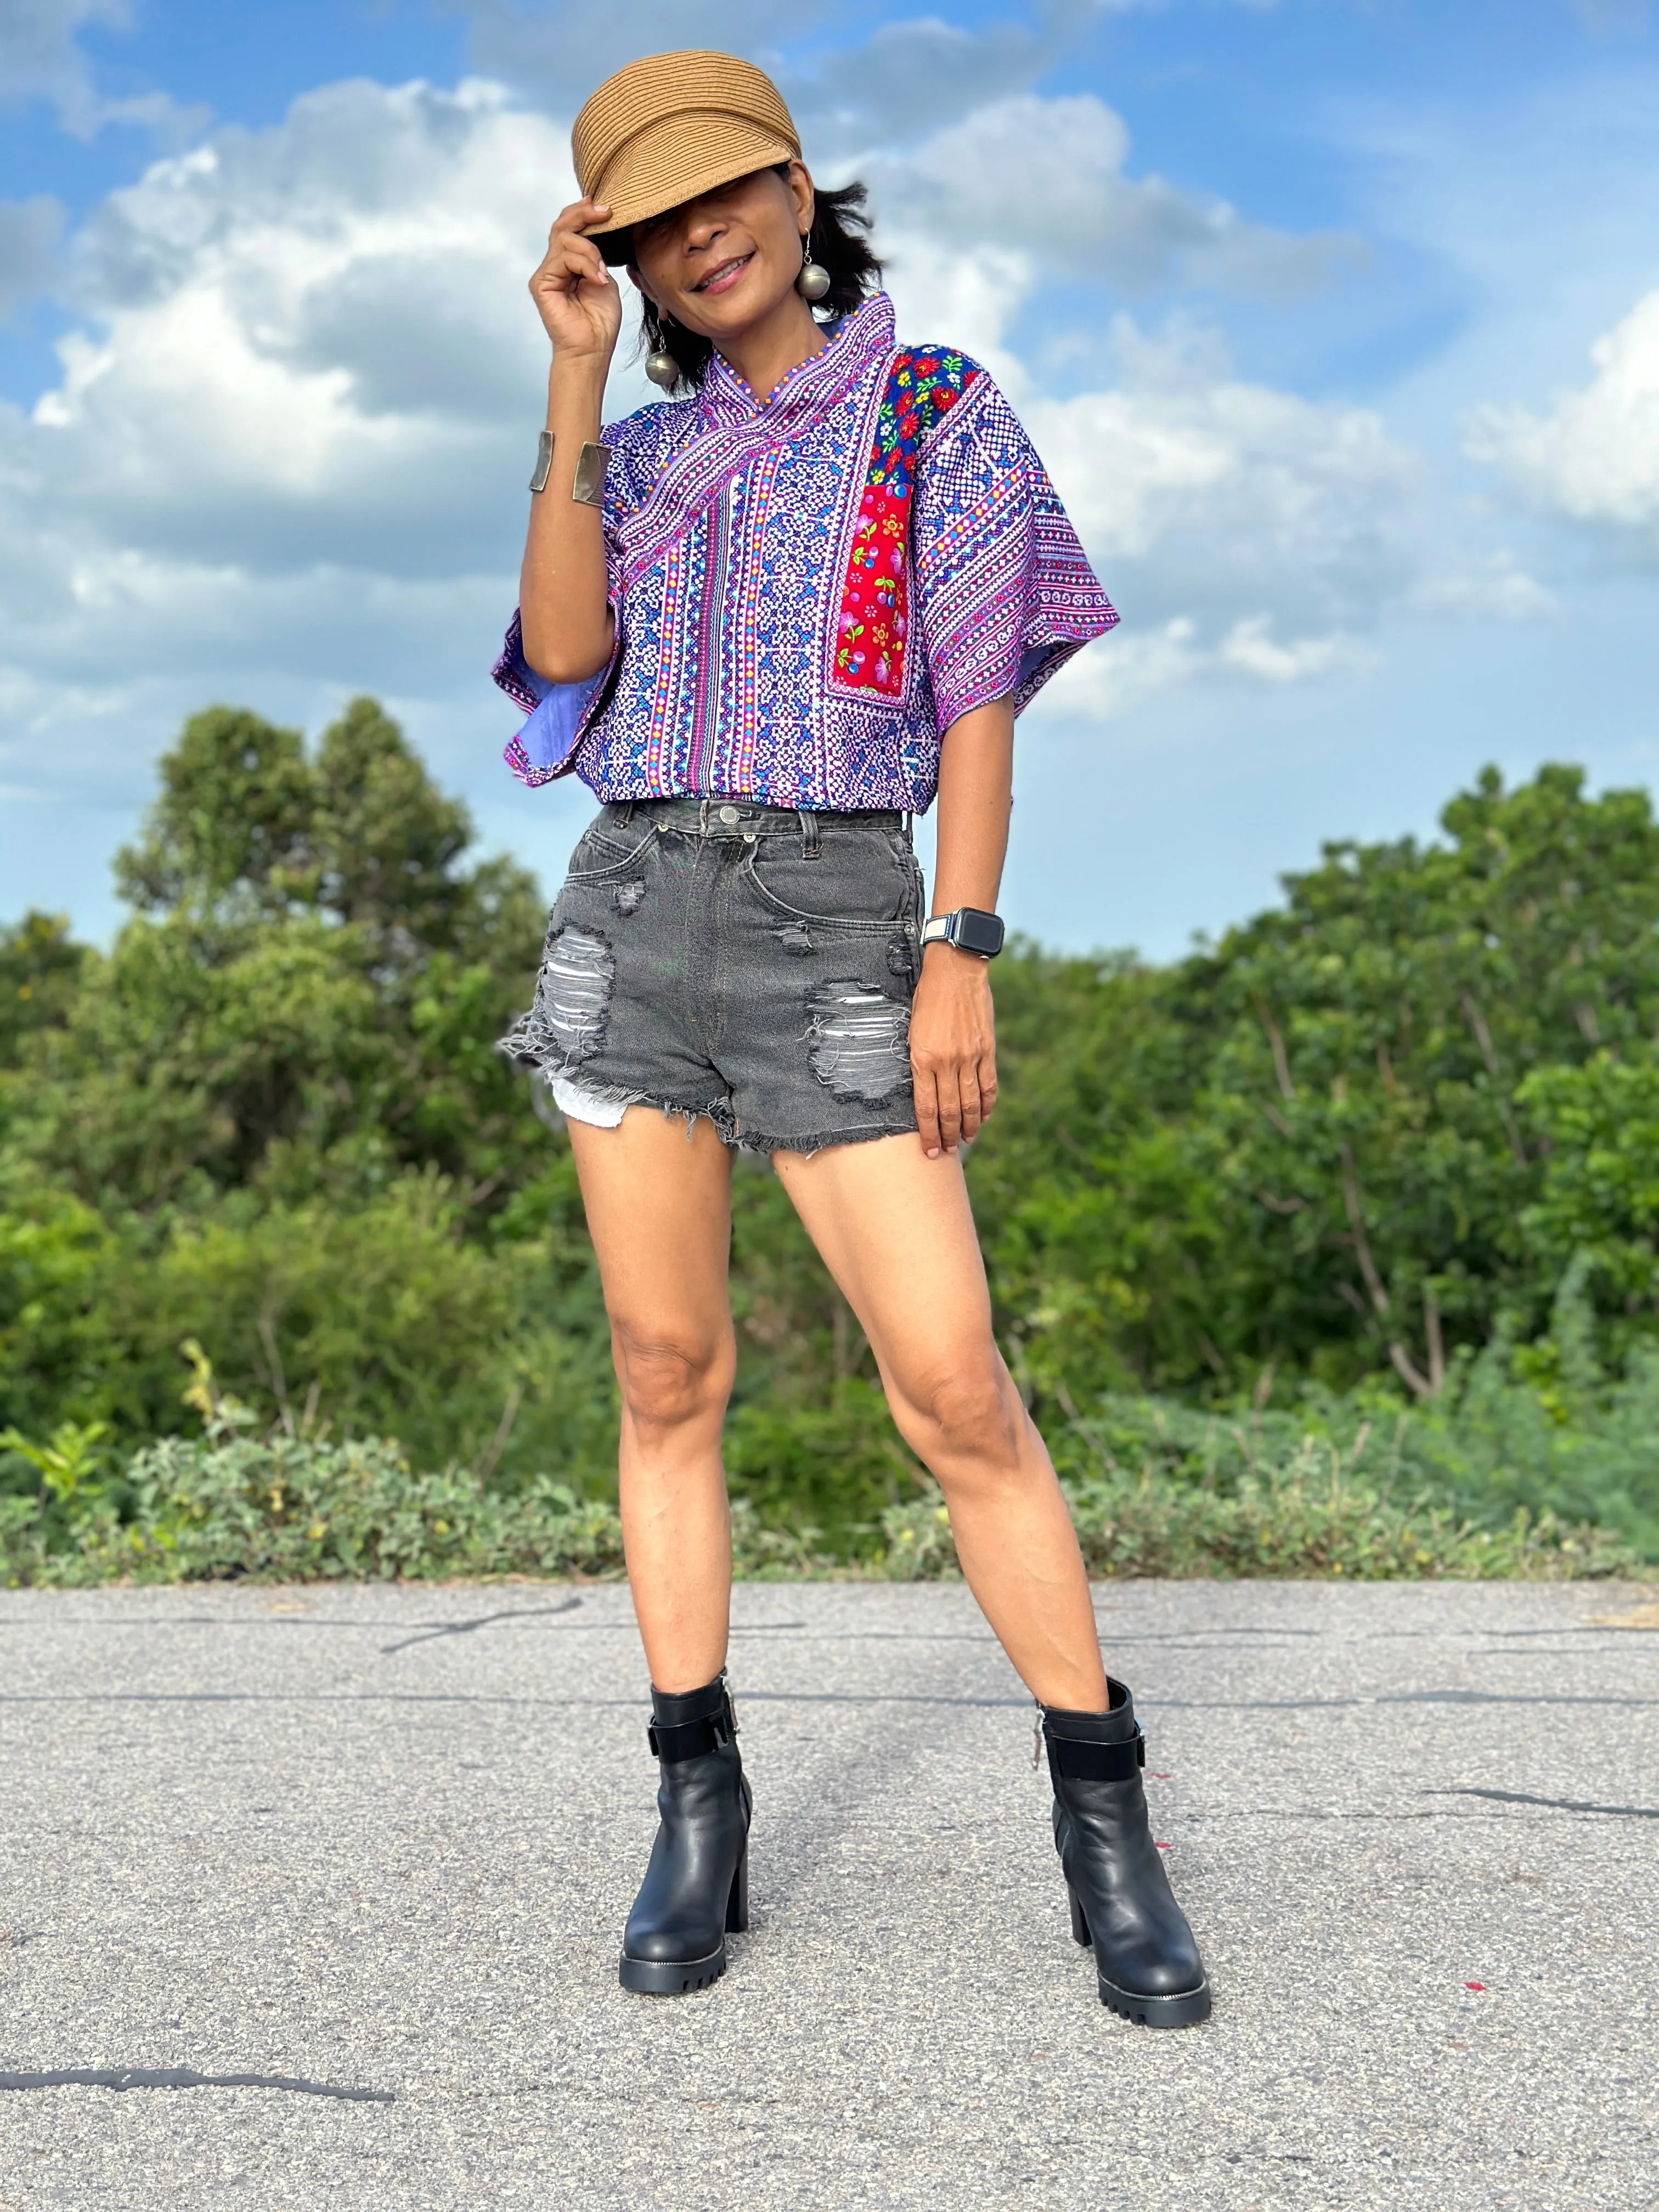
[1160,1777]
[1166,1847]
[1476,1986]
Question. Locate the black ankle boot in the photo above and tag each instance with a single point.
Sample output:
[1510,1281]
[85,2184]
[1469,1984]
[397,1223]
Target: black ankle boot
[1122,1902]
[696,1887]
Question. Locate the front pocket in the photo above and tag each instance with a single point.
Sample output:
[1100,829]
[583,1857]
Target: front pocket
[607,860]
[864,889]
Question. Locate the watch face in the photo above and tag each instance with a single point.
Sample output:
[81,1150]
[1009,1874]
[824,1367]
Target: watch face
[978,931]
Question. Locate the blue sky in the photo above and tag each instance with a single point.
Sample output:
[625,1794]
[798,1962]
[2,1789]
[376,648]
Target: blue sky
[1336,320]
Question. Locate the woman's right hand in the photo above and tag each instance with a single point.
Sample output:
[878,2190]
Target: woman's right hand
[576,294]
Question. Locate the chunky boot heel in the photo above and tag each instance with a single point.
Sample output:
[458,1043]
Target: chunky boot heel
[737,1906]
[696,1887]
[1079,1925]
[1146,1959]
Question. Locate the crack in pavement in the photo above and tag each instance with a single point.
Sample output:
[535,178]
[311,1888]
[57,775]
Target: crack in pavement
[1557,1804]
[433,1630]
[285,1622]
[185,2077]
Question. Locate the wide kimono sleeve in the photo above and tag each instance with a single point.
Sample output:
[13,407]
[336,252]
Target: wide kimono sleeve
[559,716]
[1004,594]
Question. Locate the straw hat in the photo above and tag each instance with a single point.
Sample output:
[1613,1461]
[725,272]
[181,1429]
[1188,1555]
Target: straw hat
[667,128]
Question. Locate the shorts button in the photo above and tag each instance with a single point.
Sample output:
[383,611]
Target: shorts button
[728,814]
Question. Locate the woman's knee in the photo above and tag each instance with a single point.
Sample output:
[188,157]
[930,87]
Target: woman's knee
[964,1414]
[670,1377]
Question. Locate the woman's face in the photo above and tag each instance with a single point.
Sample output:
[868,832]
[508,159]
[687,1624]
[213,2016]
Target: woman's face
[721,263]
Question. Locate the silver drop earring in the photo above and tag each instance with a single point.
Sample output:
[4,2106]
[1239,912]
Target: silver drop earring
[813,281]
[660,365]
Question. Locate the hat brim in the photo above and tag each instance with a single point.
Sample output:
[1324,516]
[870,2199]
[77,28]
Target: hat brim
[676,159]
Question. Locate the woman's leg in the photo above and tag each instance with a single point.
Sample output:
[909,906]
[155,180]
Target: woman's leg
[658,1206]
[897,1232]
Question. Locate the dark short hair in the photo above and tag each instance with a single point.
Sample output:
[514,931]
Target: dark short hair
[838,241]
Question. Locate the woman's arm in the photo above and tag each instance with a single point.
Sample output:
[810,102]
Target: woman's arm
[564,607]
[953,1055]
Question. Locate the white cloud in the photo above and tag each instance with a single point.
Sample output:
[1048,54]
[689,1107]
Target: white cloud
[29,231]
[1247,534]
[40,59]
[1046,177]
[313,342]
[1484,585]
[1594,457]
[910,77]
[1250,647]
[288,450]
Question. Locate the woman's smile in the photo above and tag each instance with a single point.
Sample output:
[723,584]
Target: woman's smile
[725,273]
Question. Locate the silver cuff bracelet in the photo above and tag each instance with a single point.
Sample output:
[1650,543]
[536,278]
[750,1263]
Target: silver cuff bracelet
[588,490]
[544,461]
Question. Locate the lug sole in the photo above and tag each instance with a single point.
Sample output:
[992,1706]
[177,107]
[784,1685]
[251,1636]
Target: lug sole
[672,1977]
[1186,2009]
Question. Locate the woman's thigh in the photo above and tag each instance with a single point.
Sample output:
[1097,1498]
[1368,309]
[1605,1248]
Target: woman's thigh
[659,1200]
[896,1231]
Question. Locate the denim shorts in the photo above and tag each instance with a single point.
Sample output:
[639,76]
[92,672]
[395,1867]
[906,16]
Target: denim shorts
[751,963]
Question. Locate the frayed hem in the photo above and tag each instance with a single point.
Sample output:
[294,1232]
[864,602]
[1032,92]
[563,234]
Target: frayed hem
[542,1075]
[820,1142]
[716,1112]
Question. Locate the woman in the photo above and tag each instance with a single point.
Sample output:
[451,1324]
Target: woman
[765,622]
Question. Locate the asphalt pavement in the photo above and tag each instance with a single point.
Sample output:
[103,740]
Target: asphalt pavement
[313,1897]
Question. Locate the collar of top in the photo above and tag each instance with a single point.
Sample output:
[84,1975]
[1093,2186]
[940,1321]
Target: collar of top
[860,340]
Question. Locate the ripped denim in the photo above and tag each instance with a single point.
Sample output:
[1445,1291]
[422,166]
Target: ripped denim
[753,964]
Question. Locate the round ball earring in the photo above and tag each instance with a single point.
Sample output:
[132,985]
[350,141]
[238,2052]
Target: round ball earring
[813,281]
[660,365]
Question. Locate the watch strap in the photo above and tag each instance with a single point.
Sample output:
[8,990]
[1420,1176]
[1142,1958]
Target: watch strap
[970,928]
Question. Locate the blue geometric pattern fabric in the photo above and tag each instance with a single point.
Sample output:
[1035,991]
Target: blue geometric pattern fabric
[808,590]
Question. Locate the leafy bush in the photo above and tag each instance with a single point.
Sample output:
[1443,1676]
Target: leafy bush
[1155,1487]
[291,1509]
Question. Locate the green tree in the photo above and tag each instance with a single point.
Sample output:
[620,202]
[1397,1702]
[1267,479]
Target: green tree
[40,971]
[272,1117]
[1312,1147]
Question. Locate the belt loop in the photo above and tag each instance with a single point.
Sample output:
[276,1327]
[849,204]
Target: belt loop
[702,818]
[627,814]
[908,838]
[809,832]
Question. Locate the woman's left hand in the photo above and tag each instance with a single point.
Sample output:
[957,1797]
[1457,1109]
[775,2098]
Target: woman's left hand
[953,1052]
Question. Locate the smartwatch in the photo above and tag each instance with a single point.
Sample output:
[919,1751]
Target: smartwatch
[970,929]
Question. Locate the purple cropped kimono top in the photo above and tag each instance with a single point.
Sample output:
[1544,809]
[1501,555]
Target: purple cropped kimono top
[809,591]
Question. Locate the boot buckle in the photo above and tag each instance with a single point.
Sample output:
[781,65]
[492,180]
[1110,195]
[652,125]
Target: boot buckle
[1077,1760]
[672,1743]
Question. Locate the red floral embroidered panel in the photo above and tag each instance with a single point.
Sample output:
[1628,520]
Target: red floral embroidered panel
[874,625]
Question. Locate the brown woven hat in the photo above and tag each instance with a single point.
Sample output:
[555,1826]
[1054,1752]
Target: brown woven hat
[667,128]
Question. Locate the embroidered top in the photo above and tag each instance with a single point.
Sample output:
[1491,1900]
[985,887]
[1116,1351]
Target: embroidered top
[809,591]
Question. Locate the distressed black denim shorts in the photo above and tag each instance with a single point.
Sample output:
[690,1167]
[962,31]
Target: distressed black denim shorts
[752,963]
